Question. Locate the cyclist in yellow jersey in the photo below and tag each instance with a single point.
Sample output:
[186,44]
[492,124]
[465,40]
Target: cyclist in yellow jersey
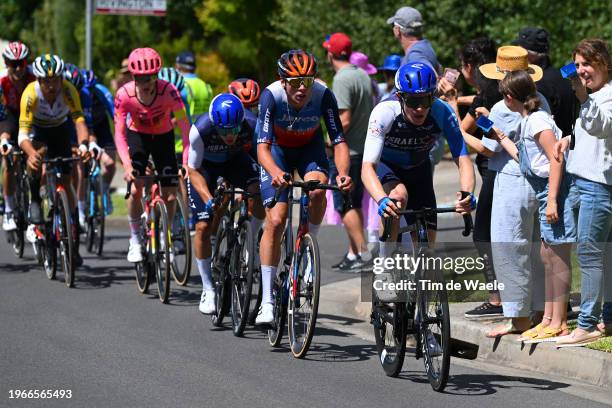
[45,106]
[201,93]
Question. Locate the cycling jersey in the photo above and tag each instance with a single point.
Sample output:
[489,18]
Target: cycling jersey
[200,94]
[87,104]
[154,119]
[206,144]
[37,111]
[280,124]
[102,104]
[394,140]
[10,95]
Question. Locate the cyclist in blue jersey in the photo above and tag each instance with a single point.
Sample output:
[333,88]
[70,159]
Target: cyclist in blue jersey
[289,138]
[102,113]
[176,78]
[216,149]
[396,167]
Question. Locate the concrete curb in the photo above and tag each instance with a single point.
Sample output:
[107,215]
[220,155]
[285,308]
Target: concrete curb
[589,366]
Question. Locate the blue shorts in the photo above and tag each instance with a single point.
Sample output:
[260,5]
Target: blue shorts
[240,170]
[563,231]
[104,136]
[419,183]
[304,159]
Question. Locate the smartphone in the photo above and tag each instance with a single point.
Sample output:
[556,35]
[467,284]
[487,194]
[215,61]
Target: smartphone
[569,70]
[451,75]
[484,123]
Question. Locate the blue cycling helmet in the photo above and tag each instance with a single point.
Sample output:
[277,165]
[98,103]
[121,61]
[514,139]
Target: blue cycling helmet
[226,111]
[73,74]
[392,63]
[415,78]
[173,76]
[89,78]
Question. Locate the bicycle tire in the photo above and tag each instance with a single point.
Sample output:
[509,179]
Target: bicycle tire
[181,241]
[435,304]
[220,274]
[96,219]
[241,269]
[389,322]
[48,253]
[66,239]
[300,335]
[23,202]
[91,203]
[279,296]
[162,252]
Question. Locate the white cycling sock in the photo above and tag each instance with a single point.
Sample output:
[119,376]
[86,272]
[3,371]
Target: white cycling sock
[81,205]
[268,274]
[204,269]
[351,256]
[313,229]
[135,225]
[8,204]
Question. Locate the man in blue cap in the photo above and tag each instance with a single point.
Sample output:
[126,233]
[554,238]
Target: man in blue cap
[389,68]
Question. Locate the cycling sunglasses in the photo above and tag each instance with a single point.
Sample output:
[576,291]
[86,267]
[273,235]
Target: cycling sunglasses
[15,64]
[143,79]
[296,82]
[223,132]
[416,101]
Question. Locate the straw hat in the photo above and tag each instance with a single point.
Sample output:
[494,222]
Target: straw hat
[510,58]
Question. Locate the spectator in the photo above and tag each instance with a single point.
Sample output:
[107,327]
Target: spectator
[353,90]
[557,91]
[408,29]
[590,166]
[201,93]
[123,77]
[389,68]
[361,60]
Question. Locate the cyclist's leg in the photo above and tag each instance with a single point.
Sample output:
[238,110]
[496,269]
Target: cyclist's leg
[419,183]
[165,163]
[312,164]
[395,189]
[139,152]
[243,172]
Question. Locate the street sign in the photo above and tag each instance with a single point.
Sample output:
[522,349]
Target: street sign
[132,7]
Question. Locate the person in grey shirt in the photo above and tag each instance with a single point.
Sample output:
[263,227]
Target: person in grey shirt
[353,90]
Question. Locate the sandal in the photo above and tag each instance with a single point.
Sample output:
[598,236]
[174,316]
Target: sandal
[531,333]
[546,334]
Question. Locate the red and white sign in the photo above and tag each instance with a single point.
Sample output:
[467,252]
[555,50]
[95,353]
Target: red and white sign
[132,7]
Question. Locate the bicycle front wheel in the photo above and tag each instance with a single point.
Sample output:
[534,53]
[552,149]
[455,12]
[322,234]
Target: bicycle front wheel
[162,244]
[304,296]
[280,297]
[181,242]
[241,268]
[220,274]
[66,239]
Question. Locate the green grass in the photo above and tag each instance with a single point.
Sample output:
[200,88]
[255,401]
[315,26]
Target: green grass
[119,205]
[604,344]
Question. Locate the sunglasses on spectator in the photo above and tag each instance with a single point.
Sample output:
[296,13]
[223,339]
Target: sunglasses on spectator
[15,64]
[295,83]
[143,79]
[416,101]
[223,132]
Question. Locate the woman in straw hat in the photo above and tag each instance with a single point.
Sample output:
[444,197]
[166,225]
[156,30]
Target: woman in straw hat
[514,223]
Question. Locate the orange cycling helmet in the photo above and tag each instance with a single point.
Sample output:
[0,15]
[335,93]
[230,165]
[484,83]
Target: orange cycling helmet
[144,61]
[246,90]
[297,63]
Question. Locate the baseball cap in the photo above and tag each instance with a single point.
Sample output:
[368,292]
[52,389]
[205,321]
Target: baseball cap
[533,39]
[124,66]
[407,18]
[186,58]
[338,44]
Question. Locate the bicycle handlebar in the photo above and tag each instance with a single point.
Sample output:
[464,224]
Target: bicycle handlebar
[309,186]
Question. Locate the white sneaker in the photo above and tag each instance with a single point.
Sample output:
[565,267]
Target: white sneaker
[266,314]
[207,302]
[8,222]
[135,253]
[31,234]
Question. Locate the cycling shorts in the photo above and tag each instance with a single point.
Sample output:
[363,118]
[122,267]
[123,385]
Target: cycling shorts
[355,175]
[104,136]
[143,145]
[57,140]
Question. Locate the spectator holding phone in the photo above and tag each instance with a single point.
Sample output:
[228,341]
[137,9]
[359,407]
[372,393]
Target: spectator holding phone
[590,164]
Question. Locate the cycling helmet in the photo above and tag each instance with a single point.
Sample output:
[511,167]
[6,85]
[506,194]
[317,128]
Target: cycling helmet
[246,90]
[73,74]
[47,66]
[173,76]
[89,78]
[415,78]
[144,61]
[297,63]
[226,111]
[16,51]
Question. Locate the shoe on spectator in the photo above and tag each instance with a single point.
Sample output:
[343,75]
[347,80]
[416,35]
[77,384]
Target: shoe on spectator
[354,266]
[8,222]
[266,314]
[135,253]
[577,340]
[485,310]
[207,302]
[343,262]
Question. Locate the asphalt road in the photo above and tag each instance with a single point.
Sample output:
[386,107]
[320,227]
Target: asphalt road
[113,347]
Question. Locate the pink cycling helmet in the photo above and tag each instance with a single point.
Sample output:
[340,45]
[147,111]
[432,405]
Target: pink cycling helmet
[144,61]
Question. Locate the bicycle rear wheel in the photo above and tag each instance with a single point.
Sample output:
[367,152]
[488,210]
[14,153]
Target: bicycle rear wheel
[304,306]
[162,250]
[220,274]
[389,321]
[280,297]
[433,321]
[96,217]
[64,233]
[241,271]
[181,242]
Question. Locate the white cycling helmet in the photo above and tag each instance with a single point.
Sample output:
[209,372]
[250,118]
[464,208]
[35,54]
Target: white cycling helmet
[16,51]
[47,66]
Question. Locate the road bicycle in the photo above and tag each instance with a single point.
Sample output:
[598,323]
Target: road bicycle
[16,163]
[234,268]
[423,314]
[296,288]
[155,237]
[97,208]
[181,238]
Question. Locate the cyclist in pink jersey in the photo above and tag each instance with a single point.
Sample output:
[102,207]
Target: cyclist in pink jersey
[144,109]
